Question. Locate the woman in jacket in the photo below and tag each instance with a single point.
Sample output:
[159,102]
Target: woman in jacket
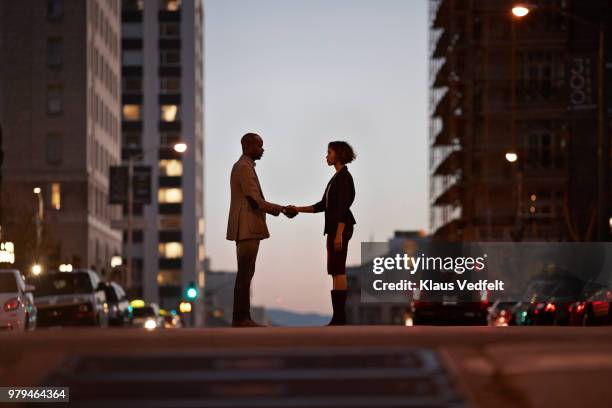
[336,203]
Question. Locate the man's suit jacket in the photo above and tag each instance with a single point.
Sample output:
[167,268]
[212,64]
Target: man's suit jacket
[248,207]
[337,200]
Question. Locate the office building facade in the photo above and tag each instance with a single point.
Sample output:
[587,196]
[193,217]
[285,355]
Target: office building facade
[60,115]
[162,104]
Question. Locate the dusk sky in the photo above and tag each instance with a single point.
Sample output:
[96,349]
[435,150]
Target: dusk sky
[302,73]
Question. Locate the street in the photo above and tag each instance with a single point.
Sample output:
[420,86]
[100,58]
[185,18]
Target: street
[356,366]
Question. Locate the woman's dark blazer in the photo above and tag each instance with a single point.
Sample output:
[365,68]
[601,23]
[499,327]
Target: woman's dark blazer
[341,196]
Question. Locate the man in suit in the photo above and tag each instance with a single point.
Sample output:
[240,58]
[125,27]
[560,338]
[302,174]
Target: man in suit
[247,223]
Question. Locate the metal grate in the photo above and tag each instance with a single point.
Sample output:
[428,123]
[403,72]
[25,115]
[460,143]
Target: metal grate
[313,378]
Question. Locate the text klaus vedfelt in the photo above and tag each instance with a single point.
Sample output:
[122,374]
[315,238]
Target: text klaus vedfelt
[412,265]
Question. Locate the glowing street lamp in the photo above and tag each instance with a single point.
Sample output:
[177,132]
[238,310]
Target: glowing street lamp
[511,157]
[180,147]
[36,269]
[520,10]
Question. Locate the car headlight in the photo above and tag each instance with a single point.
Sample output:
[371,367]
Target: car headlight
[150,324]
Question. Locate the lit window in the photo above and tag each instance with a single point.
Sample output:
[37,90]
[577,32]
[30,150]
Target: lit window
[54,99]
[56,196]
[131,112]
[169,113]
[171,168]
[170,5]
[170,250]
[170,195]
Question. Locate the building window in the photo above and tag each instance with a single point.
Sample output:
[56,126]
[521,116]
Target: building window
[170,5]
[171,168]
[170,85]
[169,57]
[169,278]
[132,84]
[131,112]
[131,30]
[54,148]
[169,222]
[56,196]
[170,195]
[132,58]
[54,52]
[169,139]
[169,30]
[54,9]
[169,113]
[132,5]
[170,250]
[54,99]
[131,140]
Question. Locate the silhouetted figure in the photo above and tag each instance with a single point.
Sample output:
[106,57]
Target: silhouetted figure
[247,223]
[336,202]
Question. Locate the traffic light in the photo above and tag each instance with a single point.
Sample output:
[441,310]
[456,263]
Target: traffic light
[191,292]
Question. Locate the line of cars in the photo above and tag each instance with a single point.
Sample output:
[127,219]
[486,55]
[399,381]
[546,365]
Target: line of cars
[77,298]
[562,301]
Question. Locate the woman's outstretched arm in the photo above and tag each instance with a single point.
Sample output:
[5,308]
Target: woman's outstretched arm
[307,209]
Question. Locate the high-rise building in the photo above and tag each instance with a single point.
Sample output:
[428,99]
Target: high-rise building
[524,89]
[162,104]
[60,115]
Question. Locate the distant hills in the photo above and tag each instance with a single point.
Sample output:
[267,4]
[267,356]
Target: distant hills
[280,317]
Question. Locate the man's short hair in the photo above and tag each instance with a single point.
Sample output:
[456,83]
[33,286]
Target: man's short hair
[248,139]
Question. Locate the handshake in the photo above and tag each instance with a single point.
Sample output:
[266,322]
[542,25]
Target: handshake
[290,211]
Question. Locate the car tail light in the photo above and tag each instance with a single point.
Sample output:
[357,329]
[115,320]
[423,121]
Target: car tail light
[11,304]
[550,307]
[580,307]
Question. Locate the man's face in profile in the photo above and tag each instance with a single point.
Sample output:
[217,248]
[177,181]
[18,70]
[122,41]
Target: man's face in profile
[256,149]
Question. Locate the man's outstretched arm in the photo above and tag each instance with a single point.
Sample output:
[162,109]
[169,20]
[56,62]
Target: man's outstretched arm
[249,186]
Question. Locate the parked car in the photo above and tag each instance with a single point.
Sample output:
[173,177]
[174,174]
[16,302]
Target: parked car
[147,316]
[71,299]
[577,310]
[458,307]
[171,319]
[537,292]
[597,309]
[18,311]
[501,313]
[118,304]
[555,310]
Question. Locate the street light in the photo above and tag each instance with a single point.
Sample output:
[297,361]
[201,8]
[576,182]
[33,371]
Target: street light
[36,269]
[179,147]
[520,11]
[39,221]
[512,157]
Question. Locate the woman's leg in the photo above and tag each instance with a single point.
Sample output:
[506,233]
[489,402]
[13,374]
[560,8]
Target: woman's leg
[336,266]
[339,282]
